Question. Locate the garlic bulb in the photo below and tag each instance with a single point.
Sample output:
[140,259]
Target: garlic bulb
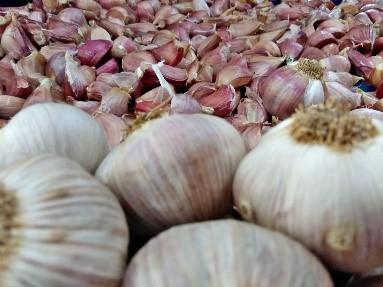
[302,82]
[316,177]
[53,128]
[59,227]
[224,253]
[174,170]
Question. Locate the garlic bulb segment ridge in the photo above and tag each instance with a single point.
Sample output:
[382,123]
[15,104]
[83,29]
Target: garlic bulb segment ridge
[53,128]
[303,179]
[175,169]
[224,253]
[59,227]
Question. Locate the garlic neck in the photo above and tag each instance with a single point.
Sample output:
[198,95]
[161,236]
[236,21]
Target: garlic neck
[142,120]
[8,209]
[331,125]
[310,68]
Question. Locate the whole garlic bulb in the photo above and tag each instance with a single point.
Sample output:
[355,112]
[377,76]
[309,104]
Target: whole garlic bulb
[174,170]
[224,253]
[316,177]
[303,82]
[53,128]
[59,227]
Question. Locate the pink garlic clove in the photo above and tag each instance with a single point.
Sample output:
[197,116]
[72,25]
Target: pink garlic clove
[115,101]
[53,6]
[267,48]
[58,30]
[333,26]
[223,101]
[330,49]
[201,89]
[55,68]
[92,51]
[276,25]
[96,89]
[185,104]
[73,15]
[205,73]
[113,126]
[216,58]
[107,4]
[88,6]
[244,28]
[346,79]
[110,66]
[219,6]
[98,33]
[272,36]
[151,99]
[139,29]
[205,29]
[122,46]
[239,45]
[320,38]
[162,14]
[10,106]
[48,51]
[145,11]
[362,36]
[113,29]
[47,91]
[363,65]
[290,48]
[89,107]
[336,63]
[175,76]
[313,53]
[171,53]
[125,80]
[378,45]
[208,44]
[252,108]
[234,75]
[133,60]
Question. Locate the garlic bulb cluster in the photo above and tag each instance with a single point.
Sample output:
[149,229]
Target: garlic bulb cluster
[303,179]
[59,227]
[53,128]
[173,170]
[224,253]
[306,82]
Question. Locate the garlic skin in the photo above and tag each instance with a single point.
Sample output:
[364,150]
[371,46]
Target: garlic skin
[224,253]
[60,227]
[53,128]
[162,176]
[304,179]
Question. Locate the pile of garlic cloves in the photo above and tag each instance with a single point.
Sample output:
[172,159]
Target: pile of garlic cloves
[184,143]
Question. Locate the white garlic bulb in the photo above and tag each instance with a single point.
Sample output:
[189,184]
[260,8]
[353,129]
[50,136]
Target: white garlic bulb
[59,227]
[316,177]
[53,128]
[224,253]
[174,170]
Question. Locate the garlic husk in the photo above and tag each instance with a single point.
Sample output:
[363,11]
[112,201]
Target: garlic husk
[224,253]
[53,128]
[60,226]
[156,180]
[279,184]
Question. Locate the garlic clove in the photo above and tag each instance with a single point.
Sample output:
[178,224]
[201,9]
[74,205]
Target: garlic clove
[252,108]
[133,60]
[342,94]
[122,46]
[185,104]
[234,75]
[267,48]
[331,49]
[218,7]
[10,105]
[276,25]
[139,29]
[320,38]
[98,33]
[290,48]
[92,51]
[58,30]
[55,68]
[344,78]
[201,89]
[205,29]
[145,11]
[314,93]
[151,99]
[272,35]
[113,126]
[47,91]
[60,215]
[171,53]
[53,6]
[96,89]
[208,44]
[88,5]
[363,65]
[224,101]
[216,58]
[115,101]
[232,245]
[176,76]
[244,28]
[54,48]
[125,80]
[110,66]
[89,107]
[362,36]
[40,129]
[107,4]
[336,63]
[178,198]
[313,53]
[333,26]
[112,28]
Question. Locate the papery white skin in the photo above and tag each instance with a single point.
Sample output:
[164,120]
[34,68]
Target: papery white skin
[309,192]
[69,229]
[224,253]
[174,170]
[53,128]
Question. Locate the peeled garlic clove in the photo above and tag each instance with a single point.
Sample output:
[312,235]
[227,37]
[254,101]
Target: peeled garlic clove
[224,101]
[157,170]
[10,105]
[92,51]
[115,101]
[41,129]
[110,66]
[339,230]
[113,126]
[250,250]
[60,215]
[336,63]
